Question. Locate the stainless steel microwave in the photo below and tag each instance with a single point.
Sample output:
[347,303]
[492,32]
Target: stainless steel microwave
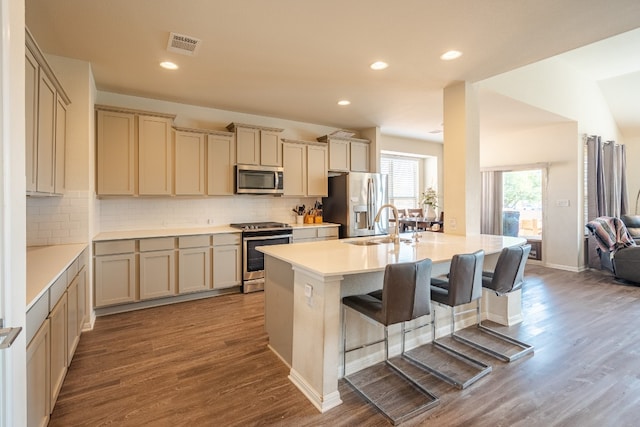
[251,179]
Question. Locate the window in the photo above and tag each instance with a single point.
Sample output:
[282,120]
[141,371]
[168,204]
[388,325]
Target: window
[404,173]
[522,203]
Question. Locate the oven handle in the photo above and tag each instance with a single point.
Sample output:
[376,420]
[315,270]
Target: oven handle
[280,236]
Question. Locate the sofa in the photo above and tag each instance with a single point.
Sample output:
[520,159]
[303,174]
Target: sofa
[620,254]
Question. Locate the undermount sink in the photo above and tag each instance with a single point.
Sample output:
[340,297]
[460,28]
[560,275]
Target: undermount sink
[375,241]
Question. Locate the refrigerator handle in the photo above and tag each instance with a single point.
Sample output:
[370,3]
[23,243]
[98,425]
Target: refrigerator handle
[370,204]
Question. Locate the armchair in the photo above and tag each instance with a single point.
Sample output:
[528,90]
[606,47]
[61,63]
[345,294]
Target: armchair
[619,251]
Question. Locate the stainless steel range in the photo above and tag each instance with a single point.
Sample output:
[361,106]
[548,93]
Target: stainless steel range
[256,234]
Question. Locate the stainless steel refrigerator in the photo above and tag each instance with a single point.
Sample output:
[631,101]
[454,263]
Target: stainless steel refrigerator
[353,201]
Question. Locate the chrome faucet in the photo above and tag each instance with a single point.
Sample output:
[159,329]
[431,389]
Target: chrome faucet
[395,236]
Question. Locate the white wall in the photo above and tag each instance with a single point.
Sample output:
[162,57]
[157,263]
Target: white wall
[554,145]
[552,85]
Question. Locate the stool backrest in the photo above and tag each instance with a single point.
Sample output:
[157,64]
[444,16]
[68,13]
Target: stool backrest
[406,291]
[465,278]
[509,272]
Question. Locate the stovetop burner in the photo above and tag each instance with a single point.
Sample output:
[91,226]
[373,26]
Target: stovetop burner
[269,225]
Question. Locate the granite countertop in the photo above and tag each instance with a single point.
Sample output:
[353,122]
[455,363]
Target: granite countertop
[338,257]
[45,264]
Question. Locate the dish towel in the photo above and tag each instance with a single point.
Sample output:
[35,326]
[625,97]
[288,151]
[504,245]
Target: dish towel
[611,234]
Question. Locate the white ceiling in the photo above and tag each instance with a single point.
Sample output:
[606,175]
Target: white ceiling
[295,59]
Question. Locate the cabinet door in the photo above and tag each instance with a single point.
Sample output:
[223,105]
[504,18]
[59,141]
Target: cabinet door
[317,171]
[58,352]
[31,119]
[339,155]
[221,158]
[194,270]
[157,274]
[115,279]
[248,146]
[82,299]
[38,378]
[61,141]
[227,261]
[154,156]
[295,166]
[73,334]
[270,148]
[359,156]
[46,135]
[190,163]
[116,154]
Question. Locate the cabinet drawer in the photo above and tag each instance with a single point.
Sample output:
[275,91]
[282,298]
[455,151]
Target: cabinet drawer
[73,269]
[115,247]
[36,315]
[57,289]
[226,239]
[328,232]
[161,244]
[194,241]
[305,233]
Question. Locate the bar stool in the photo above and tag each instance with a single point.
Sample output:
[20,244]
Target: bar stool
[508,276]
[462,286]
[404,297]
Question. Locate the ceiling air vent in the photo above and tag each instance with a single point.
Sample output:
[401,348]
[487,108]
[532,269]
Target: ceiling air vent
[186,45]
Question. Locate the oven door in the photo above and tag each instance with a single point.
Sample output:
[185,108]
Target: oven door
[253,262]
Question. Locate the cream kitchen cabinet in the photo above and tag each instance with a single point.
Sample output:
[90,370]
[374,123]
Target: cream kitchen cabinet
[190,162]
[314,234]
[134,152]
[257,145]
[39,377]
[155,157]
[157,267]
[347,154]
[194,263]
[45,120]
[115,272]
[57,314]
[227,260]
[58,351]
[221,158]
[305,164]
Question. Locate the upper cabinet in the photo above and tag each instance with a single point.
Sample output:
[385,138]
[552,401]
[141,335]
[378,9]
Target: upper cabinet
[134,152]
[257,145]
[221,157]
[347,154]
[46,120]
[189,162]
[305,165]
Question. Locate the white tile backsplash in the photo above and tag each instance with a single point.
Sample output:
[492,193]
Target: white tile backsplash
[58,220]
[142,213]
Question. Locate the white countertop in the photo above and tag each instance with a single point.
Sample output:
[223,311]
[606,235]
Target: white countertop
[337,257]
[45,264]
[169,232]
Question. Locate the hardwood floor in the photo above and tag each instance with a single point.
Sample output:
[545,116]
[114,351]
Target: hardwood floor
[206,363]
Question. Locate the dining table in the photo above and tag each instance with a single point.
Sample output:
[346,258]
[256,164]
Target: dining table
[419,223]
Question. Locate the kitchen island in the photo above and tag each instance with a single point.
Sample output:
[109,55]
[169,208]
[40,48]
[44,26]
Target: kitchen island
[305,284]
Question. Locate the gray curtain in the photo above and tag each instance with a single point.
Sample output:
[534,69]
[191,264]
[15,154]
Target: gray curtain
[606,184]
[606,178]
[491,203]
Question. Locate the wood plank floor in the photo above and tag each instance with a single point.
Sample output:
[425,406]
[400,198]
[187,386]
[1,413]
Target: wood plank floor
[206,363]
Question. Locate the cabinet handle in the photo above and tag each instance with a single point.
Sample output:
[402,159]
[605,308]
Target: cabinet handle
[8,336]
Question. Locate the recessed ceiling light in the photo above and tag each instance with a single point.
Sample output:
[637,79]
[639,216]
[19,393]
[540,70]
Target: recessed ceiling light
[344,102]
[379,65]
[451,54]
[169,65]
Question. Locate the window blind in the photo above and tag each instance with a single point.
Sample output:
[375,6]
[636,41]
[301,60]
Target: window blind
[403,180]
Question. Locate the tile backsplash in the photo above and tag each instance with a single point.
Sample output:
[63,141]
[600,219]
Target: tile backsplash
[59,220]
[149,213]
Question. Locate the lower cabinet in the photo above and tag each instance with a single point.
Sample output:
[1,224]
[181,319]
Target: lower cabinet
[314,234]
[38,378]
[194,263]
[59,315]
[115,279]
[157,268]
[227,260]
